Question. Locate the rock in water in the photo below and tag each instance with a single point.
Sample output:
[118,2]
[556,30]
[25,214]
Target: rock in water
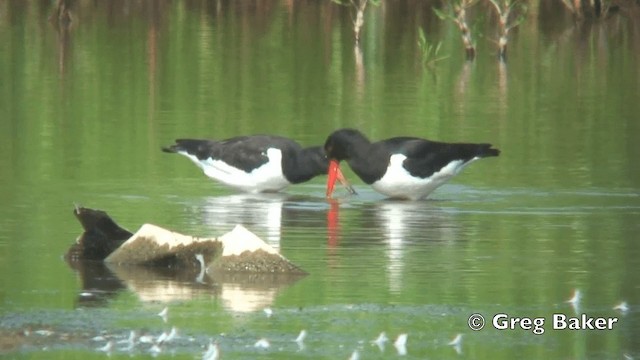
[245,252]
[238,251]
[156,246]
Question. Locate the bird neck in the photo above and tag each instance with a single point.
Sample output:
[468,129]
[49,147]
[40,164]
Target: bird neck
[305,164]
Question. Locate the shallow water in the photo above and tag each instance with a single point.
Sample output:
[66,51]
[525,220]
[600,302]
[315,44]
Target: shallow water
[88,108]
[375,265]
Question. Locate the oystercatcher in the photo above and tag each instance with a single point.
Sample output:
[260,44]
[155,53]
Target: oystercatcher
[400,167]
[257,163]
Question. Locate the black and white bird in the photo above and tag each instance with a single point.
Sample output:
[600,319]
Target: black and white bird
[400,167]
[256,163]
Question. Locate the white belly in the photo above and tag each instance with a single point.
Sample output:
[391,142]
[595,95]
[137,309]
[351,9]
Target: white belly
[398,183]
[266,178]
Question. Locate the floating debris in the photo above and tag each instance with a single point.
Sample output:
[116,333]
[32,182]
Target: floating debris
[173,334]
[401,344]
[108,347]
[300,339]
[130,342]
[381,340]
[203,268]
[575,299]
[99,338]
[262,344]
[268,312]
[162,338]
[131,339]
[456,343]
[622,307]
[212,353]
[155,350]
[164,314]
[355,355]
[146,339]
[44,332]
[301,336]
[165,337]
[457,340]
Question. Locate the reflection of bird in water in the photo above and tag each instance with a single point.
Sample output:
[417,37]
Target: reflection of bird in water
[333,224]
[254,164]
[264,214]
[399,225]
[403,223]
[400,167]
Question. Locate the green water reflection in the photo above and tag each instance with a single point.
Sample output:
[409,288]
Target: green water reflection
[85,110]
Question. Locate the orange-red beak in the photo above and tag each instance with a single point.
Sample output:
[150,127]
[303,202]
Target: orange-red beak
[336,174]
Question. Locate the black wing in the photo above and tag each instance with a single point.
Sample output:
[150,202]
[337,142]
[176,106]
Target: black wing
[425,157]
[243,152]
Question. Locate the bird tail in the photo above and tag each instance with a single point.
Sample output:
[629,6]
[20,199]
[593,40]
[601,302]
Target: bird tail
[170,149]
[186,145]
[486,150]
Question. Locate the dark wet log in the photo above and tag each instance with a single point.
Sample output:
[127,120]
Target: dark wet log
[100,238]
